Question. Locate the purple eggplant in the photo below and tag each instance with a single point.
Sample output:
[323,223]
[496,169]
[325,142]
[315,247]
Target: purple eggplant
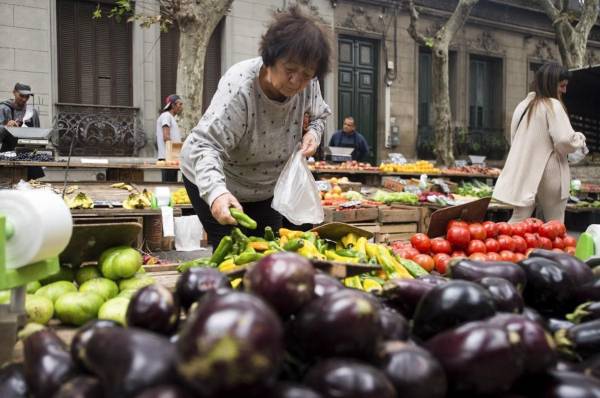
[325,284]
[195,282]
[344,378]
[288,390]
[588,292]
[344,323]
[590,366]
[434,279]
[472,270]
[83,335]
[231,343]
[403,295]
[539,349]
[585,312]
[130,360]
[80,387]
[561,384]
[580,272]
[165,391]
[583,339]
[549,287]
[535,316]
[450,305]
[12,381]
[47,364]
[394,325]
[478,358]
[284,280]
[154,308]
[506,297]
[414,372]
[555,324]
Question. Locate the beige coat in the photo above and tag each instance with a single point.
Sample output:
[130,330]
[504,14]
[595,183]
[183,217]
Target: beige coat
[549,130]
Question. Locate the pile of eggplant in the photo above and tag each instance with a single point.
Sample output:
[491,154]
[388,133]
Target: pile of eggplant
[486,329]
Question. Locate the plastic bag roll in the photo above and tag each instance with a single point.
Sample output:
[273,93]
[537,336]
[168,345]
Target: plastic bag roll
[42,226]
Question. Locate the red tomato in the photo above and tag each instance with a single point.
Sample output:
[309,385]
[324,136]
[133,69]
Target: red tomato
[411,252]
[441,245]
[545,243]
[560,227]
[534,223]
[477,231]
[569,241]
[492,256]
[441,262]
[507,255]
[519,257]
[570,250]
[492,245]
[400,252]
[400,244]
[504,228]
[520,244]
[531,240]
[425,261]
[527,227]
[491,229]
[478,257]
[506,243]
[518,229]
[459,253]
[558,243]
[548,230]
[456,223]
[476,246]
[458,237]
[421,242]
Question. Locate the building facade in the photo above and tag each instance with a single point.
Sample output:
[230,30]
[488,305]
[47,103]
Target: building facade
[102,82]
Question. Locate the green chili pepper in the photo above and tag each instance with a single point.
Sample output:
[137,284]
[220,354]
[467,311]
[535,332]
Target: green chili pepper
[247,257]
[269,234]
[238,236]
[202,262]
[310,236]
[224,248]
[242,218]
[256,239]
[275,246]
[347,253]
[293,245]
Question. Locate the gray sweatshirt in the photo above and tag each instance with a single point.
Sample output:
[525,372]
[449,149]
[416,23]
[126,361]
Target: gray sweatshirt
[244,139]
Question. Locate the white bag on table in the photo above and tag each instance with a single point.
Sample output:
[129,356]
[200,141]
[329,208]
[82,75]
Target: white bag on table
[188,233]
[296,196]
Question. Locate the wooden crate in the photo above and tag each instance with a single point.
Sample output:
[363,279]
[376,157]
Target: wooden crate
[424,219]
[392,183]
[392,232]
[350,215]
[399,214]
[371,227]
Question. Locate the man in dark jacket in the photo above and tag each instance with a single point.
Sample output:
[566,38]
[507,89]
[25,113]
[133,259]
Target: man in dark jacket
[14,113]
[348,137]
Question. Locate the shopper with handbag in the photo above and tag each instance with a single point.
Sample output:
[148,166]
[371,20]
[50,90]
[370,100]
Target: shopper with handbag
[536,170]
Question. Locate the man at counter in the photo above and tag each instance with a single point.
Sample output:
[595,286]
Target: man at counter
[16,113]
[348,137]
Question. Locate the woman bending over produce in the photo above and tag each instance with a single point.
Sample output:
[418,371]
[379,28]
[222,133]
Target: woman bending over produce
[536,169]
[235,154]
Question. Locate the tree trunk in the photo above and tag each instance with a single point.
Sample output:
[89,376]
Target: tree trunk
[440,94]
[197,19]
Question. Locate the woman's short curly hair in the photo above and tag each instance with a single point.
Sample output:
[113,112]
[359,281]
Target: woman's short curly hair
[294,36]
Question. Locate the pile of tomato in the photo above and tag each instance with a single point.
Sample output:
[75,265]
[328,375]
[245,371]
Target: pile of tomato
[487,241]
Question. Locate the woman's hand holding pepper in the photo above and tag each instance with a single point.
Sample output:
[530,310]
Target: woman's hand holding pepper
[220,208]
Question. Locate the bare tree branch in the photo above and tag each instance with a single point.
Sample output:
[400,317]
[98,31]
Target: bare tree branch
[549,8]
[588,17]
[458,18]
[412,28]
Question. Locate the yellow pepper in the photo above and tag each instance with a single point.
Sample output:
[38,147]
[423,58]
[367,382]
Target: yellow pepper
[361,246]
[371,249]
[333,256]
[290,234]
[349,240]
[353,282]
[309,250]
[390,265]
[236,282]
[227,265]
[283,240]
[259,246]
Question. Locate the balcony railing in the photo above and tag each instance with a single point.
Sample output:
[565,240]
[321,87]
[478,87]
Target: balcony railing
[98,130]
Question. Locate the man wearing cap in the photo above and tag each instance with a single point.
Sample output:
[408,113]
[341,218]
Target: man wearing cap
[14,113]
[168,130]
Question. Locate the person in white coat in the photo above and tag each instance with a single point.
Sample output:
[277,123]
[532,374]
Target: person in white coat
[536,170]
[168,130]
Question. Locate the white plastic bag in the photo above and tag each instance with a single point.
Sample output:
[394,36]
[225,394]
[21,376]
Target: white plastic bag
[578,155]
[188,233]
[296,196]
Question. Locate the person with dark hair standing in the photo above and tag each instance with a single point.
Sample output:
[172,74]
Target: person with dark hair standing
[536,169]
[348,137]
[235,154]
[168,130]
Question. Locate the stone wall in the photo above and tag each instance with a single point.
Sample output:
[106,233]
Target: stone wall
[25,51]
